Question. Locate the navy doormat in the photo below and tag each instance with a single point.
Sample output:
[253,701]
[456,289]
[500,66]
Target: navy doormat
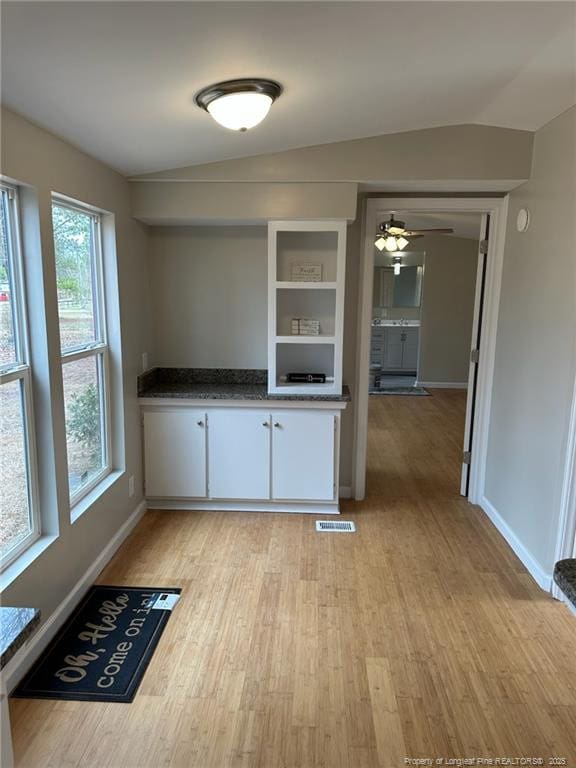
[103,650]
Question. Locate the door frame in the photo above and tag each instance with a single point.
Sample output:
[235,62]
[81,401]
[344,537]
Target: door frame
[566,541]
[380,207]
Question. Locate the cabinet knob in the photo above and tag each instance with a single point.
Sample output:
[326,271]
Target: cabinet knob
[200,423]
[265,424]
[277,424]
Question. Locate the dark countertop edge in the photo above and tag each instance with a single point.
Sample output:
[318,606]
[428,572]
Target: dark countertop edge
[20,623]
[158,394]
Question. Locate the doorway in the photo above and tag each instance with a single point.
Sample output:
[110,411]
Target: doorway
[480,370]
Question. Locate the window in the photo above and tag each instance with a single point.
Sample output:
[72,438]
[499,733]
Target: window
[19,507]
[83,343]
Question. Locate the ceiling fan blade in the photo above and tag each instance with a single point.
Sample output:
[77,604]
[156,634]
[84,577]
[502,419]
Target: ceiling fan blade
[413,232]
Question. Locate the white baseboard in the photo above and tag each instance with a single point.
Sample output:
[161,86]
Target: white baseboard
[543,579]
[443,384]
[209,505]
[19,665]
[345,492]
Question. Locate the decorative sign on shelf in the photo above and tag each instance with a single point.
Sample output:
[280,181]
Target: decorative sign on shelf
[306,273]
[304,327]
[306,378]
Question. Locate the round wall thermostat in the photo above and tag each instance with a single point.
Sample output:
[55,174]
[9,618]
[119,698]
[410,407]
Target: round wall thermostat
[523,220]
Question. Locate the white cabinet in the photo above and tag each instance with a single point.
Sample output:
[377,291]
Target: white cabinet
[239,451]
[303,455]
[175,453]
[244,458]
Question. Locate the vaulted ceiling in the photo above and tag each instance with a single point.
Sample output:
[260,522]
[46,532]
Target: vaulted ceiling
[117,79]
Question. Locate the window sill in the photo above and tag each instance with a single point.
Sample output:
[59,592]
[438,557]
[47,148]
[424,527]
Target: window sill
[84,504]
[17,568]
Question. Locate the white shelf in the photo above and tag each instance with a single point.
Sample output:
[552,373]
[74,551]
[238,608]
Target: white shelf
[322,286]
[300,389]
[305,243]
[305,339]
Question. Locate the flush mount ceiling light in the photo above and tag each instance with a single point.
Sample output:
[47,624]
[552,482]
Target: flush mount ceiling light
[239,104]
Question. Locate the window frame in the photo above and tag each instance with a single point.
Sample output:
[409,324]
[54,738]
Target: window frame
[98,349]
[21,369]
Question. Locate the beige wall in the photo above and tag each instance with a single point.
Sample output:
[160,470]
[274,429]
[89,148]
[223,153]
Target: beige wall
[208,298]
[36,158]
[456,152]
[447,308]
[535,352]
[223,203]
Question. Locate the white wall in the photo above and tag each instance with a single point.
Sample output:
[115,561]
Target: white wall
[208,296]
[34,157]
[535,353]
[447,307]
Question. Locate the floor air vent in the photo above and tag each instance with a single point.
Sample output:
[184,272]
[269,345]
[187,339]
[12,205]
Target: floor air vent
[340,526]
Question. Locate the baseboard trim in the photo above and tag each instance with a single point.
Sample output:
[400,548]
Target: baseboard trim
[543,579]
[18,666]
[345,492]
[207,505]
[443,384]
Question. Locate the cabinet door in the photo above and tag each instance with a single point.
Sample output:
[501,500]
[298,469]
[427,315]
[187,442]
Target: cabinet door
[303,452]
[239,454]
[410,349]
[393,349]
[175,453]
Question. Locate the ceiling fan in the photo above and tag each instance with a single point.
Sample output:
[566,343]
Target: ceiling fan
[393,236]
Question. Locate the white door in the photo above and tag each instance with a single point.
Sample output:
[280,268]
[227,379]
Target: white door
[410,349]
[175,453]
[475,353]
[393,349]
[303,455]
[239,454]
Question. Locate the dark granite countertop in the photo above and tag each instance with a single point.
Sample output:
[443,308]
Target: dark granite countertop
[565,577]
[219,384]
[16,626]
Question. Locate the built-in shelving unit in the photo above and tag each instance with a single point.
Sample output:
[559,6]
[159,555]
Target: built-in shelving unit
[317,247]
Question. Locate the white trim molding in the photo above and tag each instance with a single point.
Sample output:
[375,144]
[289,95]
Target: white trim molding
[377,209]
[18,666]
[238,505]
[543,579]
[443,384]
[566,541]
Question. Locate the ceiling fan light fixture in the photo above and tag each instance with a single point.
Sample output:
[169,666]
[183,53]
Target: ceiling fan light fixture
[380,243]
[239,104]
[401,242]
[390,243]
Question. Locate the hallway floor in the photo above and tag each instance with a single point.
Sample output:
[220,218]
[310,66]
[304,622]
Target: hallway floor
[420,636]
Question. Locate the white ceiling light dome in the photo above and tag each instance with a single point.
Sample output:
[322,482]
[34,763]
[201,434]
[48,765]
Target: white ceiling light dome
[239,104]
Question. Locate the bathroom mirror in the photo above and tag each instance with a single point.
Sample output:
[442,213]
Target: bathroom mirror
[397,291]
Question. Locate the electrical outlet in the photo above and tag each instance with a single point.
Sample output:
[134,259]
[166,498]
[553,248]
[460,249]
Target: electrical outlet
[131,485]
[144,361]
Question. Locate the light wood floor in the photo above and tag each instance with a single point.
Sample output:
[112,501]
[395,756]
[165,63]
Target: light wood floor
[419,636]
